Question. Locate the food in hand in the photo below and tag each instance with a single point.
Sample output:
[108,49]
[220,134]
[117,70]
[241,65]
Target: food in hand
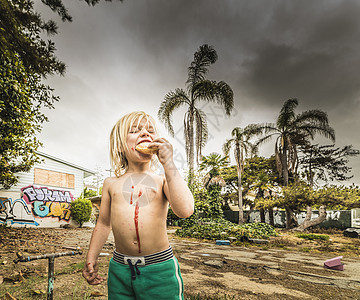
[144,148]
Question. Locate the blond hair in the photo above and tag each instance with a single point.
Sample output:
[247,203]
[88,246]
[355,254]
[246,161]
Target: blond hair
[118,145]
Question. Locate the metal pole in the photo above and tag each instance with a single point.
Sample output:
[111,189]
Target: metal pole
[50,278]
[51,258]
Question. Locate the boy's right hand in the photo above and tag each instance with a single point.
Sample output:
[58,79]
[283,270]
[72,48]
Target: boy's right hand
[90,273]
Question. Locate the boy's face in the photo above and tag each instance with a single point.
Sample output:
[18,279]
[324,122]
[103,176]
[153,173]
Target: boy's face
[139,132]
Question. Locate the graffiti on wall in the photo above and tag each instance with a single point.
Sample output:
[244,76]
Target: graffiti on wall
[32,193]
[16,212]
[336,216]
[48,202]
[39,202]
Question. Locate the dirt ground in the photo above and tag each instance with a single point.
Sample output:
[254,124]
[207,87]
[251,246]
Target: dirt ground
[286,268]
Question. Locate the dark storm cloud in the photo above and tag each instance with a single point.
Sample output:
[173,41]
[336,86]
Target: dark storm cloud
[168,28]
[317,62]
[278,49]
[269,51]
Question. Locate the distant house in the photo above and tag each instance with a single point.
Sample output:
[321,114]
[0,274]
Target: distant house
[43,195]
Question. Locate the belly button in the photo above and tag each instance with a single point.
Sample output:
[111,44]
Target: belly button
[135,242]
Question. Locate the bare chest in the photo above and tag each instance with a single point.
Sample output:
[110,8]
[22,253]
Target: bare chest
[137,191]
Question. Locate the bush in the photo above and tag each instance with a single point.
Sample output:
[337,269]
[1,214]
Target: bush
[81,210]
[311,236]
[214,229]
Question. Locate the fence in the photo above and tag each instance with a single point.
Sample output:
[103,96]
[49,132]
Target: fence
[340,219]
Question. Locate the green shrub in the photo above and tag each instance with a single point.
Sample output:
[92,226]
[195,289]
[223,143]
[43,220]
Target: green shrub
[215,229]
[81,210]
[311,236]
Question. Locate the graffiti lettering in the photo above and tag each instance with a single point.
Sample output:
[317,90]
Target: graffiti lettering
[60,210]
[32,193]
[279,216]
[40,209]
[15,212]
[333,215]
[48,203]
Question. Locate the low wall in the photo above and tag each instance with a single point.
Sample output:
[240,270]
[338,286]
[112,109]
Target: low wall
[340,219]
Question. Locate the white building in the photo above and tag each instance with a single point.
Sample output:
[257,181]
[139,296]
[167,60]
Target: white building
[43,195]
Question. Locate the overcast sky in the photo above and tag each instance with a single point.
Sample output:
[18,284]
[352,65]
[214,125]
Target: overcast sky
[127,56]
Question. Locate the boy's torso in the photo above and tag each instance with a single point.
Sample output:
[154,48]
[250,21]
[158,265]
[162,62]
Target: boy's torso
[138,213]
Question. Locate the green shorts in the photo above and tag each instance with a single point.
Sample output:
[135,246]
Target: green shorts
[144,277]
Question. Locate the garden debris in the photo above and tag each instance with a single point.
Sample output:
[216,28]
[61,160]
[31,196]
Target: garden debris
[222,242]
[206,254]
[72,248]
[1,279]
[15,277]
[214,263]
[21,277]
[334,264]
[39,292]
[232,239]
[96,294]
[8,296]
[67,226]
[258,241]
[352,232]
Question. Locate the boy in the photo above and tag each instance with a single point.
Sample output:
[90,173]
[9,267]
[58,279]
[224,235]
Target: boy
[134,205]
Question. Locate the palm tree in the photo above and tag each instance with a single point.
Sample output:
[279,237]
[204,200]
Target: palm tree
[198,88]
[213,163]
[292,130]
[242,148]
[213,181]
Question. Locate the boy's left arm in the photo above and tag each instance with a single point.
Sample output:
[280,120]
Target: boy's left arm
[175,188]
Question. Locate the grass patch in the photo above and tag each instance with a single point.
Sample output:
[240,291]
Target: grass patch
[305,249]
[78,292]
[33,287]
[312,237]
[73,268]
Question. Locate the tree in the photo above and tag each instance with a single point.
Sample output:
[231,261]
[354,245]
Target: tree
[242,147]
[293,130]
[213,181]
[342,197]
[25,59]
[22,97]
[81,209]
[229,174]
[260,176]
[87,193]
[324,163]
[201,197]
[198,88]
[21,27]
[299,195]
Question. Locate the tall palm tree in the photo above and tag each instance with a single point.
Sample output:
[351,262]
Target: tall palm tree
[198,88]
[292,130]
[242,148]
